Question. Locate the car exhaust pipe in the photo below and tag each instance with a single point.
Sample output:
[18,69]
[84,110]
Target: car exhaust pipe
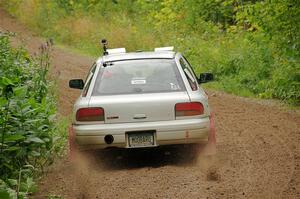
[109,139]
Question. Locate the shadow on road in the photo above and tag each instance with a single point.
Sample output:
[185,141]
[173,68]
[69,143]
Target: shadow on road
[116,159]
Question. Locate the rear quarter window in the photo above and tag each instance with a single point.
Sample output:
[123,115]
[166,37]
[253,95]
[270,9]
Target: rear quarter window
[189,73]
[88,80]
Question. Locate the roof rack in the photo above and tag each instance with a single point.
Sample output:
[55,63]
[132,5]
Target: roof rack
[168,48]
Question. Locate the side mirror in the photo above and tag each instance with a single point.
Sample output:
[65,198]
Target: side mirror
[76,83]
[205,77]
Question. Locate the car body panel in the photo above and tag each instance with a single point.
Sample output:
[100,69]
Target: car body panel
[142,112]
[139,107]
[193,130]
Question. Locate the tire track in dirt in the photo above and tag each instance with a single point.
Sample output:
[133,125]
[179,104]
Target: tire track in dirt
[258,150]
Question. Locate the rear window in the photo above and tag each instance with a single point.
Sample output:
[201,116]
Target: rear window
[138,76]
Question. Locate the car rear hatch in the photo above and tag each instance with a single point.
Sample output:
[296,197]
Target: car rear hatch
[139,107]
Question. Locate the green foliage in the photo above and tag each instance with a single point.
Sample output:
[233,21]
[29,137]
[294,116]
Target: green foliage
[27,115]
[280,20]
[252,46]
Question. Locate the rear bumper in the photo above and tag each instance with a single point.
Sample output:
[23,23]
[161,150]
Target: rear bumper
[166,132]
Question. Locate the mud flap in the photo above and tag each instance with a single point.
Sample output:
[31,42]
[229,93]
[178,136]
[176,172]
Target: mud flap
[210,148]
[72,144]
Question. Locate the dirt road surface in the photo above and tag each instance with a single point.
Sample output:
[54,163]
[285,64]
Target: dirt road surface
[258,150]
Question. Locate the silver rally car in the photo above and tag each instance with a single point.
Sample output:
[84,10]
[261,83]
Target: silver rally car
[141,99]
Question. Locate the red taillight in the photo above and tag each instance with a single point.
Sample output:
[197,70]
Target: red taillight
[189,109]
[90,114]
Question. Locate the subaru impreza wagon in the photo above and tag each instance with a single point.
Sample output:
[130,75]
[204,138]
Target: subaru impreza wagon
[141,99]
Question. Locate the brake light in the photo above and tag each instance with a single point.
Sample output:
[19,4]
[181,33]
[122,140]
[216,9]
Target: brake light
[90,114]
[189,109]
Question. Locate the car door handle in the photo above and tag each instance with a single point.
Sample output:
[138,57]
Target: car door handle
[139,116]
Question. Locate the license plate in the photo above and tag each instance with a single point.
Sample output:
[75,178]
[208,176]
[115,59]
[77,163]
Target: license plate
[141,139]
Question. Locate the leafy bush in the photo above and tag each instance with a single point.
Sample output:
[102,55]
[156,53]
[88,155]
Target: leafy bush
[27,116]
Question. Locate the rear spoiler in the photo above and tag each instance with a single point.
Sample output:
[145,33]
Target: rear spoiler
[116,50]
[107,51]
[168,48]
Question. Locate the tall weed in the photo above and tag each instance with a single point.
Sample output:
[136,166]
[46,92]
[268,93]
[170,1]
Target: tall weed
[27,118]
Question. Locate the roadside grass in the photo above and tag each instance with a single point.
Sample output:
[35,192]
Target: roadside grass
[77,51]
[60,135]
[51,196]
[231,89]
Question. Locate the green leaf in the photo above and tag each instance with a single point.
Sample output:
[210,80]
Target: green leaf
[26,109]
[10,167]
[13,148]
[30,111]
[22,195]
[12,182]
[21,91]
[4,194]
[52,117]
[35,153]
[35,140]
[43,127]
[3,101]
[32,121]
[15,137]
[5,81]
[31,185]
[7,193]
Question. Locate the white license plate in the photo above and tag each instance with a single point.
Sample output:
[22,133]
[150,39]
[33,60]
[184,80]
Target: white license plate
[141,139]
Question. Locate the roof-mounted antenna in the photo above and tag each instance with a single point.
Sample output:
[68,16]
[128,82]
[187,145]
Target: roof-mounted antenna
[104,45]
